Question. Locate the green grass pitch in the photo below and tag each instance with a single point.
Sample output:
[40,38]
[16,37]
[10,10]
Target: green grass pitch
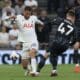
[15,72]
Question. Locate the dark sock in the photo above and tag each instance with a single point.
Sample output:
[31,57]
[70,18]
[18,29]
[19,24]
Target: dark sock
[53,60]
[76,57]
[41,63]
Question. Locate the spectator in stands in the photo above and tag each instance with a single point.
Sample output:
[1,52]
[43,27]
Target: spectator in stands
[71,3]
[57,6]
[43,32]
[4,38]
[13,34]
[18,46]
[7,11]
[14,2]
[61,8]
[19,7]
[31,3]
[52,5]
[7,8]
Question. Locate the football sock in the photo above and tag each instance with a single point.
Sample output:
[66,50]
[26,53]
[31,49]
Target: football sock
[76,57]
[53,60]
[41,63]
[34,64]
[29,67]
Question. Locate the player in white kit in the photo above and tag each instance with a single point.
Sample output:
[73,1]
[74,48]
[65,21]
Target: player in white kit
[27,35]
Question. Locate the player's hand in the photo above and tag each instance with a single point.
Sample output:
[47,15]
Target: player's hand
[13,17]
[43,25]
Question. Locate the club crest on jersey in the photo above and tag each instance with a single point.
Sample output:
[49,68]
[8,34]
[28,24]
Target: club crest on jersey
[28,25]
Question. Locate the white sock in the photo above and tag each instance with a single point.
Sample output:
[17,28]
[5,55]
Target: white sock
[34,65]
[29,67]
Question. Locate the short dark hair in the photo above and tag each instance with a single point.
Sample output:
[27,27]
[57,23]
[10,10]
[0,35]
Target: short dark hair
[27,8]
[71,13]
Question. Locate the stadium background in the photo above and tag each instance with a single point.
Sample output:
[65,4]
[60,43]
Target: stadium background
[8,38]
[8,34]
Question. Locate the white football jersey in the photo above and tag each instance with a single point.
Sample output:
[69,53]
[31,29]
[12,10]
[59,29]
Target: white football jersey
[27,28]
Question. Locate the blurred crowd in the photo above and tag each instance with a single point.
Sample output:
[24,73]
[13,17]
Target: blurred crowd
[9,32]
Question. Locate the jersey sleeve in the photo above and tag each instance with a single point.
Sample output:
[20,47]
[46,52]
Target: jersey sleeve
[37,20]
[17,19]
[56,20]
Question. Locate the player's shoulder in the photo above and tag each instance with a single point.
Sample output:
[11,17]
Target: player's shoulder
[57,20]
[19,16]
[68,22]
[11,31]
[33,16]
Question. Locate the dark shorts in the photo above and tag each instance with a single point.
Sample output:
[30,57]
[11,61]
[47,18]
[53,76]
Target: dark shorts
[58,48]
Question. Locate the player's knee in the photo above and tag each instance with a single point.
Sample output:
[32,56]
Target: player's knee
[33,53]
[24,63]
[24,66]
[76,45]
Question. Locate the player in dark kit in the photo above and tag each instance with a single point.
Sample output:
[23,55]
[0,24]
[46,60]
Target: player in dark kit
[64,37]
[76,57]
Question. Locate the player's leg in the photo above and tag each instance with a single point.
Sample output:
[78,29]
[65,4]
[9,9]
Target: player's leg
[76,57]
[42,62]
[25,64]
[25,59]
[33,60]
[56,50]
[54,58]
[32,54]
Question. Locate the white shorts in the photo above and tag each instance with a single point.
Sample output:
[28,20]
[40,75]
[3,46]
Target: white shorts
[27,47]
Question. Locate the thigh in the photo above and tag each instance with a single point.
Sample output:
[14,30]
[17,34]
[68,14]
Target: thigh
[34,45]
[24,62]
[25,51]
[54,48]
[58,48]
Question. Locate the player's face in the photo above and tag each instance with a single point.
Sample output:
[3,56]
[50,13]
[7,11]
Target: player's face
[73,20]
[27,14]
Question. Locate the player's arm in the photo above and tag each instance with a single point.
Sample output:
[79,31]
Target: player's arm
[37,21]
[13,19]
[56,20]
[40,22]
[10,18]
